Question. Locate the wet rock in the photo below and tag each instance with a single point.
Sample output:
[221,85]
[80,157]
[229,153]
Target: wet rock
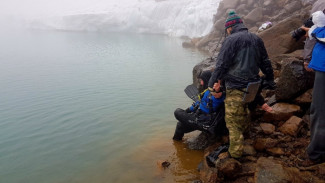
[293,80]
[305,98]
[209,174]
[267,128]
[281,112]
[265,143]
[229,168]
[249,150]
[254,16]
[202,141]
[270,171]
[248,169]
[275,151]
[292,126]
[162,164]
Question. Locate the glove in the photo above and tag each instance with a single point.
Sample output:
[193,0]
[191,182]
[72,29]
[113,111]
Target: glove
[188,110]
[268,85]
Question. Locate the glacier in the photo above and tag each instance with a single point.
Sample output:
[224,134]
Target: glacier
[191,18]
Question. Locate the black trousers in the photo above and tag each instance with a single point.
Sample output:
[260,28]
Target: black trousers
[316,148]
[188,122]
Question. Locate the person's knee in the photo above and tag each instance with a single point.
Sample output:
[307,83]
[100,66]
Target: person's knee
[178,113]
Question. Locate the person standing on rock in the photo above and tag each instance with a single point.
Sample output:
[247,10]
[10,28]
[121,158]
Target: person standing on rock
[241,57]
[316,148]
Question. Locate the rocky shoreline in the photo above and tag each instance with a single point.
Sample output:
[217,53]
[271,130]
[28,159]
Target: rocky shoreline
[276,141]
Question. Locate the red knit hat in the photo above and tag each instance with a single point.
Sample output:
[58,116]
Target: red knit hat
[232,20]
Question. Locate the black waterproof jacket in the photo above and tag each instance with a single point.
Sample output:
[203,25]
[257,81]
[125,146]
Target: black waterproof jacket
[241,57]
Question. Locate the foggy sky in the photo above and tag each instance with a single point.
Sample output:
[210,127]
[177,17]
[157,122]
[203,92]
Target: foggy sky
[53,7]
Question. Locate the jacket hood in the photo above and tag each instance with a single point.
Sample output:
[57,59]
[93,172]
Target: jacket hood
[238,28]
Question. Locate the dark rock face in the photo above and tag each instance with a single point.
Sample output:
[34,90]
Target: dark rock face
[207,64]
[293,81]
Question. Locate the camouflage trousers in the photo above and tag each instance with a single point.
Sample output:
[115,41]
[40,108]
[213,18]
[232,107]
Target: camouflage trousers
[237,121]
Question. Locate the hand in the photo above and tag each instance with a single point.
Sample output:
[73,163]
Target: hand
[307,68]
[216,95]
[305,29]
[266,107]
[216,86]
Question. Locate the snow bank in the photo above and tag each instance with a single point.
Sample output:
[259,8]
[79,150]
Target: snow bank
[172,17]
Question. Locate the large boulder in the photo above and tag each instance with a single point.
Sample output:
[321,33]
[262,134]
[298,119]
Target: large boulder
[207,64]
[254,16]
[293,81]
[277,39]
[281,112]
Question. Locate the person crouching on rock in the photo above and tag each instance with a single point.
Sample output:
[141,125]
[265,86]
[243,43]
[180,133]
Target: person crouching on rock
[205,115]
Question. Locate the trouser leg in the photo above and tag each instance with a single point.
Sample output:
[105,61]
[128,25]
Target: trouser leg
[237,121]
[185,125]
[316,148]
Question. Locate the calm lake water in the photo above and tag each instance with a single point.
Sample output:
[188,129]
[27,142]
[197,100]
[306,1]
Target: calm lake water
[92,107]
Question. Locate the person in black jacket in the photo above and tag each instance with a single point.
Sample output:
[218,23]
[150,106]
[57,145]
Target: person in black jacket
[241,57]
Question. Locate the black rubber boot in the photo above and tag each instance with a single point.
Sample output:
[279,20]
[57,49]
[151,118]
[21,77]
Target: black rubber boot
[179,134]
